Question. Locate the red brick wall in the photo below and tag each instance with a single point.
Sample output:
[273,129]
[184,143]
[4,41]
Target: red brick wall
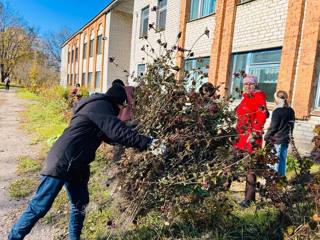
[306,73]
[184,16]
[221,51]
[217,42]
[291,46]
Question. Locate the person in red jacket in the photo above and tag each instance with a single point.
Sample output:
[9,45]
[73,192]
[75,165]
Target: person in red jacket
[125,115]
[251,116]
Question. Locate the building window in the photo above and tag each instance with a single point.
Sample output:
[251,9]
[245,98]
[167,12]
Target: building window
[89,79]
[77,53]
[263,64]
[83,79]
[99,44]
[72,55]
[196,72]
[144,22]
[141,69]
[161,15]
[91,48]
[68,57]
[97,80]
[202,8]
[317,99]
[85,51]
[71,79]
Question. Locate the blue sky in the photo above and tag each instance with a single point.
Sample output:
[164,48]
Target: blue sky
[53,15]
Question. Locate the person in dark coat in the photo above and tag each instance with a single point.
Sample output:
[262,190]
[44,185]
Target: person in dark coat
[94,121]
[7,83]
[281,126]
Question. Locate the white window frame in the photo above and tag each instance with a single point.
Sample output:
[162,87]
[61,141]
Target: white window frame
[98,73]
[199,15]
[99,44]
[84,79]
[76,54]
[91,48]
[252,67]
[138,72]
[194,63]
[143,18]
[72,55]
[317,95]
[159,11]
[89,80]
[84,48]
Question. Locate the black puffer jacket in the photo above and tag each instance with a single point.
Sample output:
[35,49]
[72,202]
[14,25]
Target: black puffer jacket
[94,120]
[281,126]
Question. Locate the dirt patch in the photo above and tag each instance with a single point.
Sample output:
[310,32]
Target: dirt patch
[14,143]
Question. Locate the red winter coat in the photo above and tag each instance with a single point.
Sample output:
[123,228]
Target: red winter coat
[252,115]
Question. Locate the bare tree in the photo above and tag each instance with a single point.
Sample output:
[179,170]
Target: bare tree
[52,45]
[16,39]
[36,70]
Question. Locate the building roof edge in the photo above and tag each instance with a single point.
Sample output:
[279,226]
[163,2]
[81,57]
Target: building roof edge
[103,11]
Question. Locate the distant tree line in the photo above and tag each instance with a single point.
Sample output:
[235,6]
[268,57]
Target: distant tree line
[26,57]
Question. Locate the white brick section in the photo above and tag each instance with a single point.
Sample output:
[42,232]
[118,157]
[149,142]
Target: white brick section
[169,34]
[84,65]
[303,133]
[64,64]
[91,64]
[77,65]
[260,24]
[194,30]
[119,46]
[99,62]
[106,52]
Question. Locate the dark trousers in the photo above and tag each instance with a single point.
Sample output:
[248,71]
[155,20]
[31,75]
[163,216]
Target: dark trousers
[7,86]
[251,179]
[42,201]
[250,193]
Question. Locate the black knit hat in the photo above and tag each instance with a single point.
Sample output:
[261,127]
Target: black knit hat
[119,82]
[117,94]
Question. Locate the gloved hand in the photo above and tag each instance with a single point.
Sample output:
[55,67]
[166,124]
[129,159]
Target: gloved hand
[157,147]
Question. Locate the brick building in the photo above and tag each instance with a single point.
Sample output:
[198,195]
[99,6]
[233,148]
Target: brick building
[85,55]
[276,40]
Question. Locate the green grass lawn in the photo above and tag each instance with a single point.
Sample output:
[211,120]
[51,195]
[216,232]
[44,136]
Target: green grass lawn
[42,118]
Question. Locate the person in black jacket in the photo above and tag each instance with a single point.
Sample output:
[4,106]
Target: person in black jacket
[67,164]
[281,126]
